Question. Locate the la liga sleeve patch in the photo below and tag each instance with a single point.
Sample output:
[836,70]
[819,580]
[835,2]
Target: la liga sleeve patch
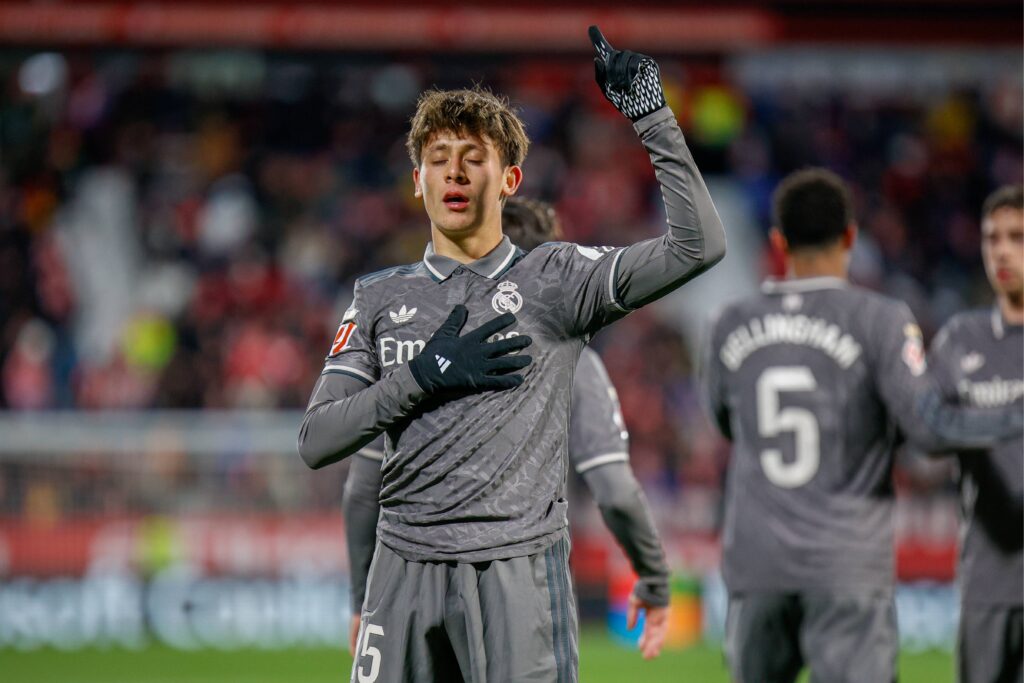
[341,339]
[913,350]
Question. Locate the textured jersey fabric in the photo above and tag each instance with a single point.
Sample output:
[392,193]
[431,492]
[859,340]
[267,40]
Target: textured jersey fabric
[815,382]
[597,434]
[979,361]
[482,477]
[598,449]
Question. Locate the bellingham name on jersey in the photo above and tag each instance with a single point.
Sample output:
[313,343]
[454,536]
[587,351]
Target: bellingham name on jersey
[780,328]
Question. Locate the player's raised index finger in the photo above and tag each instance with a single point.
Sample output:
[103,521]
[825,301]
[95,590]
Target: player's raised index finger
[602,46]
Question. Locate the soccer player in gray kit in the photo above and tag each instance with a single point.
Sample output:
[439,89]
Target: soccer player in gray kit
[598,452]
[978,358]
[815,381]
[469,579]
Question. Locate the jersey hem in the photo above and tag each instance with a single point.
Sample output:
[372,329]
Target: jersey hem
[613,277]
[602,459]
[411,553]
[351,372]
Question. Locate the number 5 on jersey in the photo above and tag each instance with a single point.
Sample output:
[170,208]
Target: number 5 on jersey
[363,647]
[771,422]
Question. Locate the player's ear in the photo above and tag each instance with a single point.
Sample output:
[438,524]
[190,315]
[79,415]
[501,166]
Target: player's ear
[417,191]
[778,241]
[512,180]
[849,236]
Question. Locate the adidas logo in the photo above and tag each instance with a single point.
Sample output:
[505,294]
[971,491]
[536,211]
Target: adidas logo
[442,362]
[972,362]
[403,316]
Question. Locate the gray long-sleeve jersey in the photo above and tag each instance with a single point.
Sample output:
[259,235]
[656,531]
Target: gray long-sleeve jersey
[598,451]
[482,477]
[978,360]
[815,382]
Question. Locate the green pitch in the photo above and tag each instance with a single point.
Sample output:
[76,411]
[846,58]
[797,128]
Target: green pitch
[601,661]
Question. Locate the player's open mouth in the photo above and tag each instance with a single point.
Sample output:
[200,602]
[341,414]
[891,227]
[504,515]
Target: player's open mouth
[456,201]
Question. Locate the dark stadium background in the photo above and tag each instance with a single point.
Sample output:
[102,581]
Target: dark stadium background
[187,191]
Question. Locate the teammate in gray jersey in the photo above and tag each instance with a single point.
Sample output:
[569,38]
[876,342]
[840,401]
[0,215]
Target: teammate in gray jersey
[978,358]
[814,381]
[469,579]
[598,452]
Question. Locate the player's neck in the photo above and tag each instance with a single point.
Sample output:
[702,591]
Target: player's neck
[816,263]
[1012,308]
[467,247]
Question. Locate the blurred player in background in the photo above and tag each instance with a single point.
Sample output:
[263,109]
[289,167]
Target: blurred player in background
[813,380]
[978,359]
[598,451]
[469,580]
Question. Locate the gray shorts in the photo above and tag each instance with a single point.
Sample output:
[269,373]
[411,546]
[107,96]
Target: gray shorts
[770,637]
[990,647]
[497,622]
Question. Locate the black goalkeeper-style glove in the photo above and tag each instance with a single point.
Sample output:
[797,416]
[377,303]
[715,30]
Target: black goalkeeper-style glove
[631,81]
[450,363]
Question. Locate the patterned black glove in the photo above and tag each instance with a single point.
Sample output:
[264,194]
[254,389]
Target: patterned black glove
[631,81]
[449,362]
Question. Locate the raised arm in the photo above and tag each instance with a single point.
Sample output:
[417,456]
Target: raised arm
[603,284]
[695,240]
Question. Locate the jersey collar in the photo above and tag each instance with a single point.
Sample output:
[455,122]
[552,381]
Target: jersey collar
[998,327]
[802,284]
[999,324]
[491,266]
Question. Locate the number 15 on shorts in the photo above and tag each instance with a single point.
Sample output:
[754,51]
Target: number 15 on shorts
[365,649]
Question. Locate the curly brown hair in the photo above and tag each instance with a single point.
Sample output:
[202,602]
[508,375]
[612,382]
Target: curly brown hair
[476,111]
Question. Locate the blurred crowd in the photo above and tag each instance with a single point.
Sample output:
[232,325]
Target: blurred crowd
[181,229]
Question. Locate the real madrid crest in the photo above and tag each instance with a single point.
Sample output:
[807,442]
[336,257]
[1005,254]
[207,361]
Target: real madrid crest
[507,300]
